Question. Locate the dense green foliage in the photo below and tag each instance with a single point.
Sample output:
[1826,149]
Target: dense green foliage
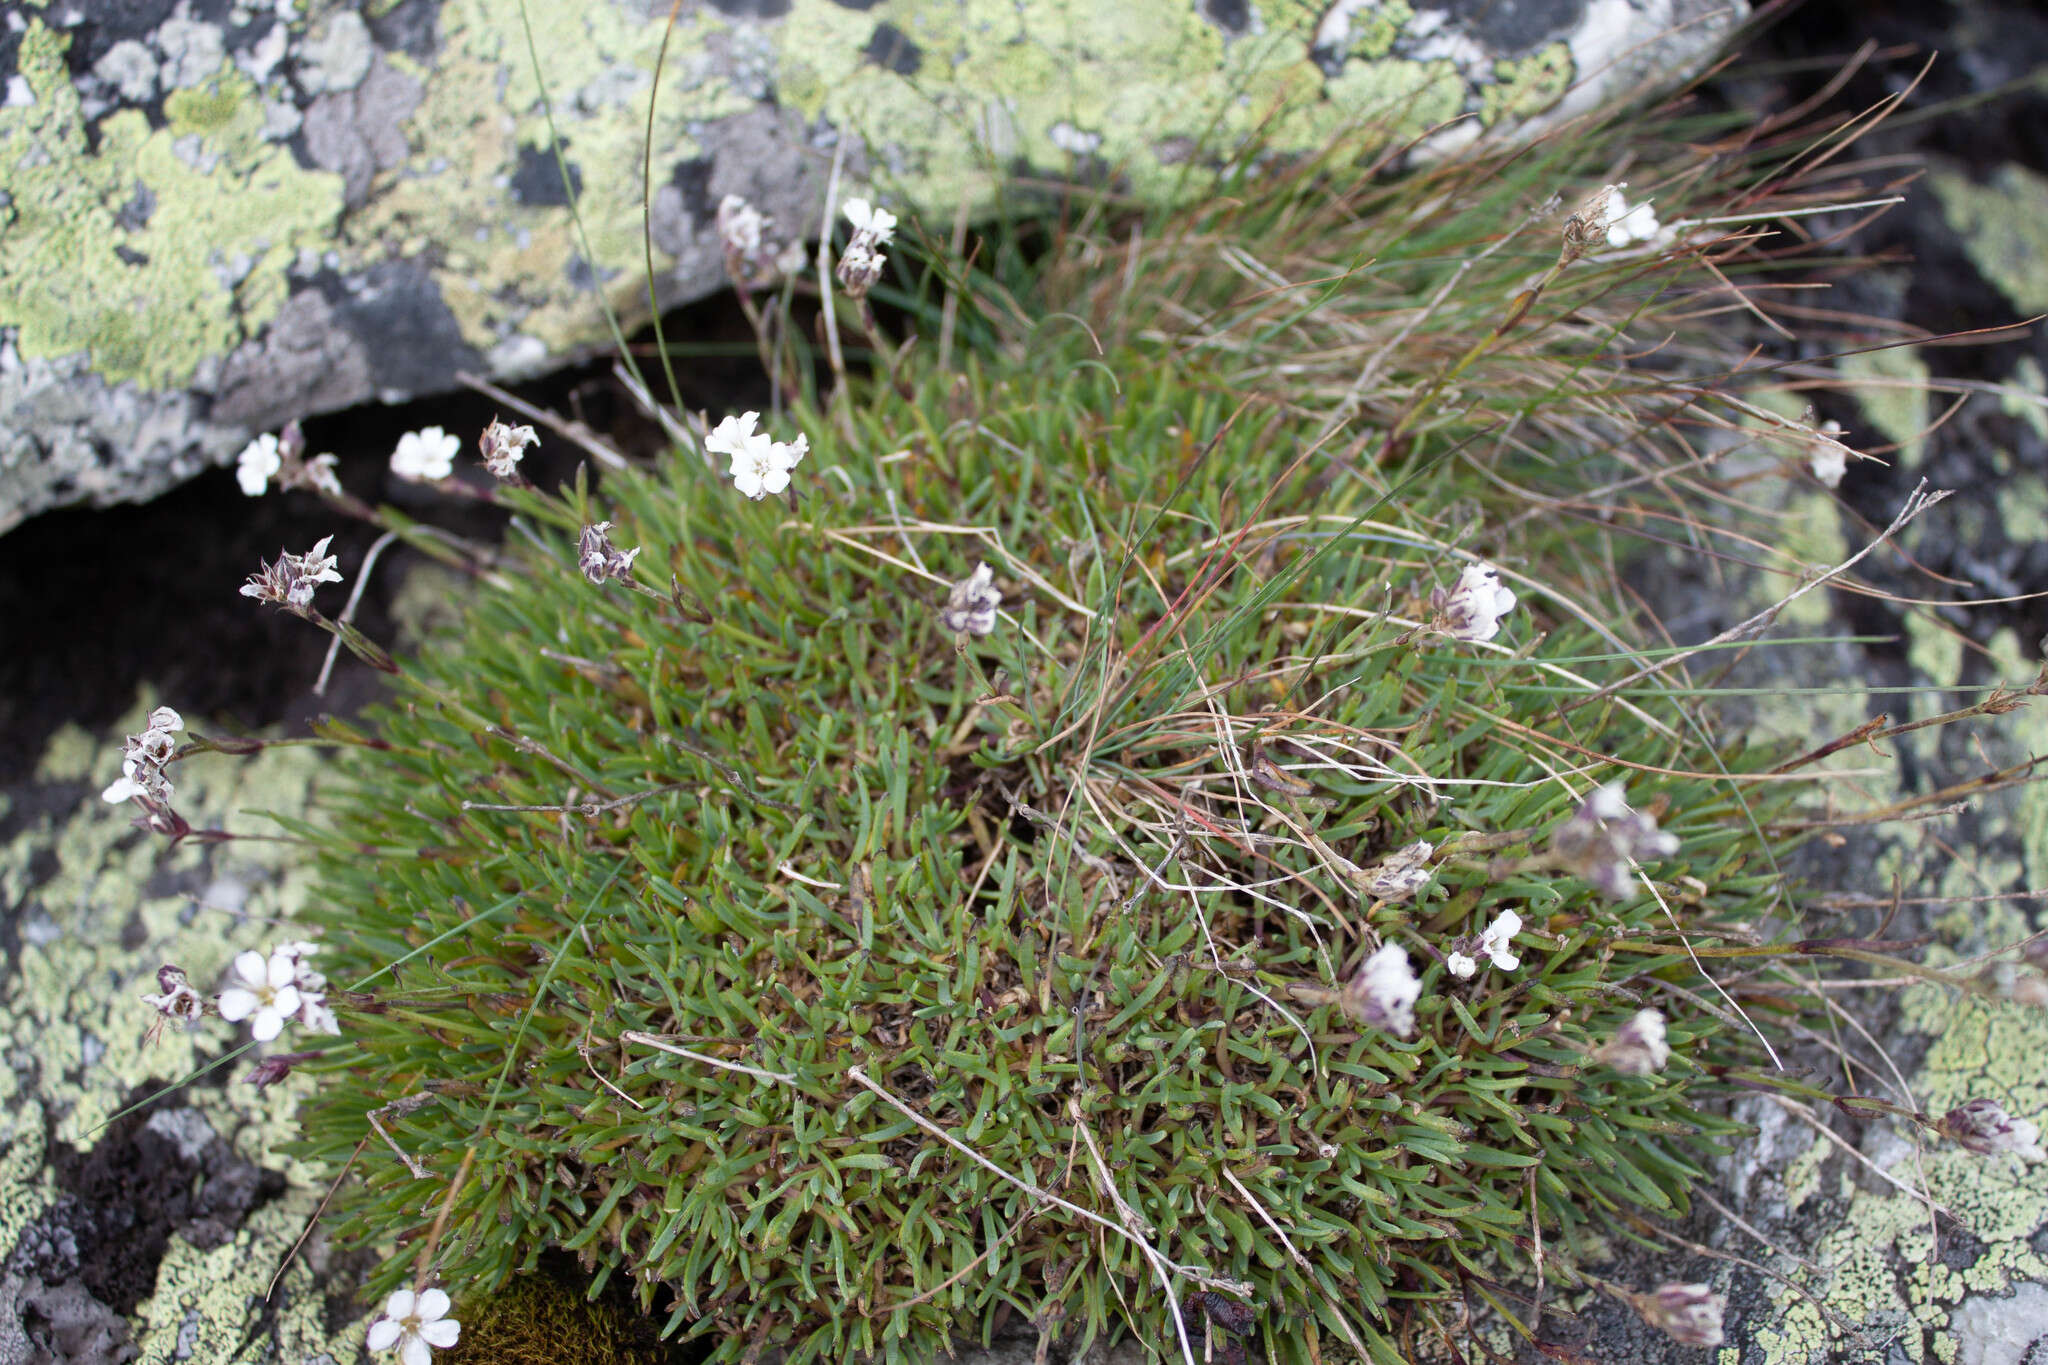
[1078,894]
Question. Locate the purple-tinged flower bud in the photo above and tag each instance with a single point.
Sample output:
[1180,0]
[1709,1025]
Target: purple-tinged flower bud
[1637,1047]
[1383,992]
[1687,1313]
[972,605]
[599,558]
[1982,1126]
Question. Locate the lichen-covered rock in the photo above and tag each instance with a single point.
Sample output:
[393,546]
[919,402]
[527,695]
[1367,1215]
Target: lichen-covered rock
[218,216]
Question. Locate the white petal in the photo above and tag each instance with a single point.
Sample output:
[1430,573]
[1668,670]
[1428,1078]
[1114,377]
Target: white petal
[1461,966]
[859,213]
[443,1333]
[382,1336]
[286,1002]
[1506,962]
[415,1351]
[282,969]
[433,1304]
[237,1004]
[122,789]
[253,968]
[268,1024]
[399,1305]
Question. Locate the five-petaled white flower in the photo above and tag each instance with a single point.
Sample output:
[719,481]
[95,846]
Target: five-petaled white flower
[1384,991]
[1472,609]
[760,463]
[425,456]
[264,993]
[972,605]
[413,1325]
[258,461]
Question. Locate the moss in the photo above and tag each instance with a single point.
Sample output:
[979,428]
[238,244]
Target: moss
[538,1320]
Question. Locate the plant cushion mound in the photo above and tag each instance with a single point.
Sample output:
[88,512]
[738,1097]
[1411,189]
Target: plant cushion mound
[1070,898]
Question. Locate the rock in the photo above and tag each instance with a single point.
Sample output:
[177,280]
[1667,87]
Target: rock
[217,218]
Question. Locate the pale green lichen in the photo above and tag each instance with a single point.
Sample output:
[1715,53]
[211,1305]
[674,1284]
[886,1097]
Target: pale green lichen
[95,932]
[207,268]
[1891,386]
[1527,85]
[2003,230]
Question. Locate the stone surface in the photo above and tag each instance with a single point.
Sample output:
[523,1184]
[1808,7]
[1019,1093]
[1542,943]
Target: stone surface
[218,216]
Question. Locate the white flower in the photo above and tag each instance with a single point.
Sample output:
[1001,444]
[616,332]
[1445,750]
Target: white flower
[1499,935]
[1637,1047]
[318,473]
[120,789]
[1472,609]
[1384,992]
[1627,226]
[740,225]
[877,225]
[414,1325]
[972,605]
[1826,456]
[1604,839]
[257,462]
[315,1016]
[425,456]
[263,988]
[1461,966]
[760,463]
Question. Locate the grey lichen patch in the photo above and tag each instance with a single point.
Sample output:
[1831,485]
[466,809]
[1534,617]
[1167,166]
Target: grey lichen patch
[101,907]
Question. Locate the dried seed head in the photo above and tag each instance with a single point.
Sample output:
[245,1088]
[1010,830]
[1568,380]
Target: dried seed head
[143,759]
[1604,838]
[179,1006]
[291,581]
[502,447]
[1637,1047]
[1400,874]
[1687,1313]
[1982,1126]
[599,558]
[1383,992]
[972,605]
[275,1068]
